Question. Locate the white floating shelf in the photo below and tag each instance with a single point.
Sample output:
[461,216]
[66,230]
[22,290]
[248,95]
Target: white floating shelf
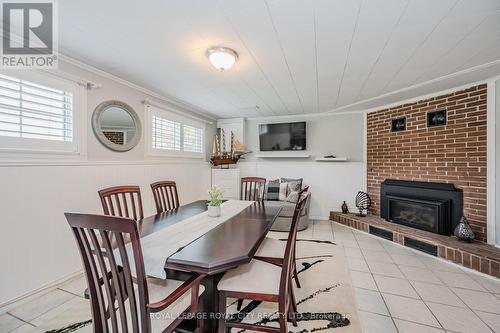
[283,156]
[331,159]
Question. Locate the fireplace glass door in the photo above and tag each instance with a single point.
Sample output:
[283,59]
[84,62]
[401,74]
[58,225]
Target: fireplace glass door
[416,213]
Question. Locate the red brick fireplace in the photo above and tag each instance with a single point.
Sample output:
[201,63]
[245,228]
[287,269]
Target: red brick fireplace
[454,152]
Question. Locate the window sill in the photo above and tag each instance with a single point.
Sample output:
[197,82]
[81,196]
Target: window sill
[80,162]
[18,151]
[152,155]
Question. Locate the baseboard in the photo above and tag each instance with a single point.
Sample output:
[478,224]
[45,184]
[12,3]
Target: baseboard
[4,307]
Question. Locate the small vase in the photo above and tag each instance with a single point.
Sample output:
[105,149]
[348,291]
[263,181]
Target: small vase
[463,231]
[345,209]
[214,211]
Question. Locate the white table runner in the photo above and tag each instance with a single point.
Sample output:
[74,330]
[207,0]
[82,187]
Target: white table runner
[157,247]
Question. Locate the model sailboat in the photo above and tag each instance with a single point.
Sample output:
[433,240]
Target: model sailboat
[220,158]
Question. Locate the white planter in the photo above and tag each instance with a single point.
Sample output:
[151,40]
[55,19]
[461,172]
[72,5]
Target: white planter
[213,211]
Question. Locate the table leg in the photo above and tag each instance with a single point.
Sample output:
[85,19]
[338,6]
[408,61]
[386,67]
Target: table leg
[209,300]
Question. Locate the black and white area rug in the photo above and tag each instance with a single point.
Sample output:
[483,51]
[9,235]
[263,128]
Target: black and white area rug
[325,302]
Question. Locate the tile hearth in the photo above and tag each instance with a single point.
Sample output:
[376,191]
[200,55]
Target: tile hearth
[397,289]
[477,255]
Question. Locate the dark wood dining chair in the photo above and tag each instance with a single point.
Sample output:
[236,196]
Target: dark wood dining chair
[252,188]
[262,281]
[122,201]
[165,195]
[118,304]
[273,250]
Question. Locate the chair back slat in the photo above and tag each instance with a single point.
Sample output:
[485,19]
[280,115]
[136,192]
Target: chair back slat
[117,280]
[129,283]
[98,306]
[287,268]
[165,195]
[122,201]
[111,286]
[105,279]
[252,188]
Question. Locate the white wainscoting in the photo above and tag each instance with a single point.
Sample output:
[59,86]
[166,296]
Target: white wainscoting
[37,245]
[331,183]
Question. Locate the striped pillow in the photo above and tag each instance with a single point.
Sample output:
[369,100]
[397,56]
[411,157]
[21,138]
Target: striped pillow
[273,190]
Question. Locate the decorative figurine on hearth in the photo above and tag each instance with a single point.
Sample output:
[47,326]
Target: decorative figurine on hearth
[363,202]
[345,209]
[464,231]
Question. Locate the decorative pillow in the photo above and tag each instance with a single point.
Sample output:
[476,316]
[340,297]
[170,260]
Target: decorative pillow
[273,190]
[294,190]
[283,191]
[292,197]
[289,180]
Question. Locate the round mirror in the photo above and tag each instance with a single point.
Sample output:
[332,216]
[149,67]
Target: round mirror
[116,125]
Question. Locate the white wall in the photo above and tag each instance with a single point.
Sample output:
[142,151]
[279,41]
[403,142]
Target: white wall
[340,135]
[331,183]
[497,162]
[36,246]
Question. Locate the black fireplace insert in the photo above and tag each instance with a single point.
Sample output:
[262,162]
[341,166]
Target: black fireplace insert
[435,207]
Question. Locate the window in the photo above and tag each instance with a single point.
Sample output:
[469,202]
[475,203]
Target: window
[37,114]
[174,134]
[166,134]
[193,139]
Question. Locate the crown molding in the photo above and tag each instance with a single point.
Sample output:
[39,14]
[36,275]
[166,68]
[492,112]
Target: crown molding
[303,116]
[168,100]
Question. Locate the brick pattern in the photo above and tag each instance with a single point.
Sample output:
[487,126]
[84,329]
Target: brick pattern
[115,137]
[478,256]
[452,153]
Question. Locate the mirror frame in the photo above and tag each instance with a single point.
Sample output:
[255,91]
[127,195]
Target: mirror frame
[96,125]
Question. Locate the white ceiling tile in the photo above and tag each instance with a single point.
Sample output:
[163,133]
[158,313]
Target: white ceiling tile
[295,56]
[377,20]
[460,55]
[335,22]
[447,35]
[417,24]
[295,28]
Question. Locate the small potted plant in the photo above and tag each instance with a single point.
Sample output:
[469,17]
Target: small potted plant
[214,201]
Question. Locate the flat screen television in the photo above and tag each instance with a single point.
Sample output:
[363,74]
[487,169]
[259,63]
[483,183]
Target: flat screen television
[282,137]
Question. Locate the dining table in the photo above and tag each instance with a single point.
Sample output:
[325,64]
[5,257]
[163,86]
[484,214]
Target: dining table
[229,244]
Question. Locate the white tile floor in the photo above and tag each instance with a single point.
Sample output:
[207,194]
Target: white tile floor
[406,291]
[397,290]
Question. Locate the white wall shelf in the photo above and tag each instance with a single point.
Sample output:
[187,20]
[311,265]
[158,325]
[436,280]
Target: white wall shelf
[283,156]
[331,159]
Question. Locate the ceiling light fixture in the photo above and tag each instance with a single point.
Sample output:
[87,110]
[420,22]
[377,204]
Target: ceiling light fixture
[222,58]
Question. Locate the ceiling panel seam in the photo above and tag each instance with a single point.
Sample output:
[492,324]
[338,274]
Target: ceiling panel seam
[383,90]
[348,54]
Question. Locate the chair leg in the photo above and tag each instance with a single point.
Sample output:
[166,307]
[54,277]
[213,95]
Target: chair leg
[200,321]
[295,275]
[240,304]
[222,313]
[282,319]
[292,300]
[292,314]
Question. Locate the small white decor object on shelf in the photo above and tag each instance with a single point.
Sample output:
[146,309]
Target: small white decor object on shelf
[330,158]
[214,201]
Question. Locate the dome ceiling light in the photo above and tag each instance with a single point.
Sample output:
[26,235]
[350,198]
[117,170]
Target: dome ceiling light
[222,58]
